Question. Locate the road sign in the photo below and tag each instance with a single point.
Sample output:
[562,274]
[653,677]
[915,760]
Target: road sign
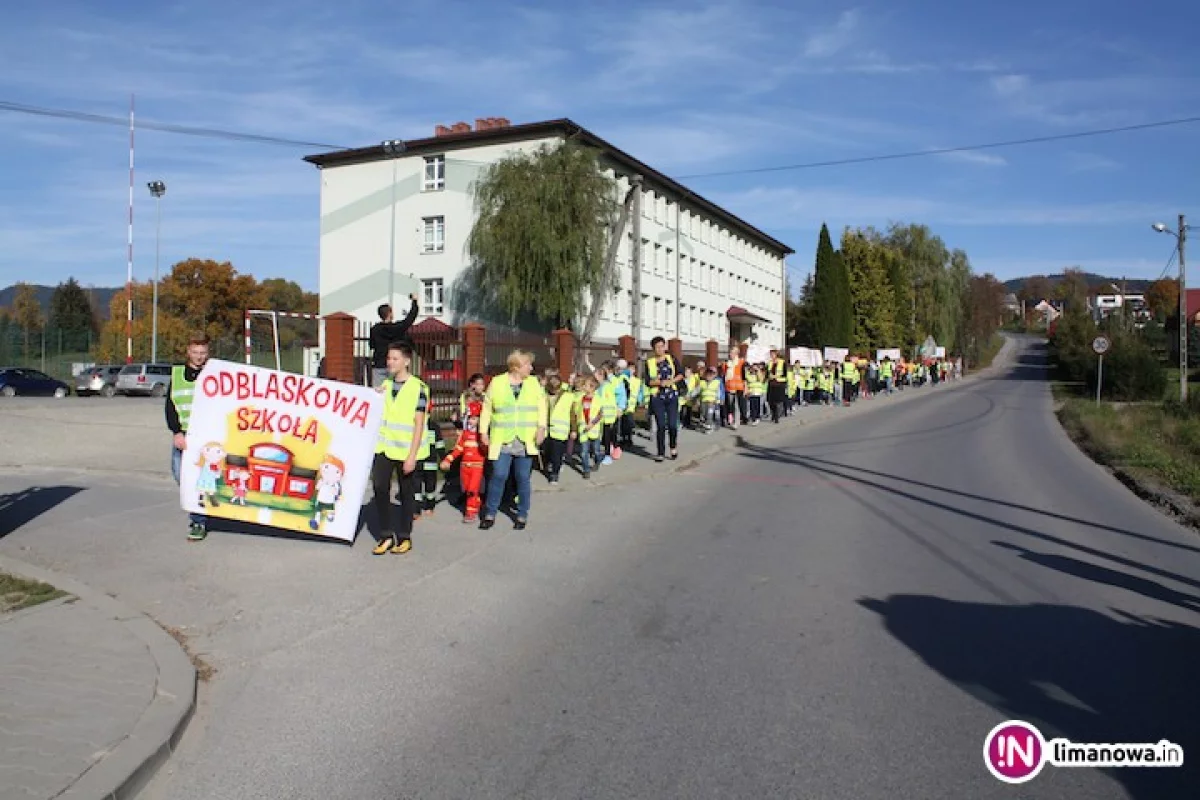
[1100,345]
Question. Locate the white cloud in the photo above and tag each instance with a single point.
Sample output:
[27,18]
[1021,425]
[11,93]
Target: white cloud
[1089,162]
[974,157]
[1073,102]
[834,39]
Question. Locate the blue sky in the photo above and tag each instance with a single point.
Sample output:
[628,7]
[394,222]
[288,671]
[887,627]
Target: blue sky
[690,88]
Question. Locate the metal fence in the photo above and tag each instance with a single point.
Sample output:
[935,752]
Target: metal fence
[499,343]
[52,350]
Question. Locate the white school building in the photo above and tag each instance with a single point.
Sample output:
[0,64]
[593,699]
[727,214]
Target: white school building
[704,273]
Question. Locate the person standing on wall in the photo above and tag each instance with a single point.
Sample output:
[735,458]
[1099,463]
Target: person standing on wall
[401,446]
[179,412]
[512,428]
[664,375]
[386,332]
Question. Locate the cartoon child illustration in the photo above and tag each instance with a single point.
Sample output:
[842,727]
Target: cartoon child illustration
[211,464]
[329,489]
[240,478]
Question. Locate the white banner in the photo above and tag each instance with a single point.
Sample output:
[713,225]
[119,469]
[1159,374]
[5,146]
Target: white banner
[806,356]
[279,449]
[836,353]
[893,354]
[939,352]
[758,354]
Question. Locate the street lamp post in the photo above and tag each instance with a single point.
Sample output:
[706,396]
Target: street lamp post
[1181,238]
[157,189]
[394,148]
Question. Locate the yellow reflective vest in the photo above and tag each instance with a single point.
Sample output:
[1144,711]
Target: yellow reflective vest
[400,420]
[710,390]
[562,409]
[506,418]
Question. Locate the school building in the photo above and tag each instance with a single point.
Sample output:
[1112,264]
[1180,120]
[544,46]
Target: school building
[397,215]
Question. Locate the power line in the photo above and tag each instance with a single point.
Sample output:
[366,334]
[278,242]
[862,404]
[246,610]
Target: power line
[943,150]
[185,130]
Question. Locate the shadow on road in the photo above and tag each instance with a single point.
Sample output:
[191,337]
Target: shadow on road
[1111,577]
[854,474]
[18,509]
[1070,671]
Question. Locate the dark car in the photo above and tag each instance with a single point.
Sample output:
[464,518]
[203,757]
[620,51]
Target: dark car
[30,383]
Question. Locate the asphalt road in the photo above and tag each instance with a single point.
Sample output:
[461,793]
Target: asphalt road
[844,614]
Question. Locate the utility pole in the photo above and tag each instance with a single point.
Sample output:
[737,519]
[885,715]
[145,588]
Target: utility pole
[1183,328]
[635,261]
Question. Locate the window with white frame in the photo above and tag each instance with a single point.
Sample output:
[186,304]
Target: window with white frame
[435,234]
[618,299]
[668,317]
[658,259]
[645,255]
[669,264]
[435,174]
[432,297]
[657,314]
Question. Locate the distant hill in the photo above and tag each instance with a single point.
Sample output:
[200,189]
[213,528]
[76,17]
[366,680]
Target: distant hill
[101,297]
[1093,281]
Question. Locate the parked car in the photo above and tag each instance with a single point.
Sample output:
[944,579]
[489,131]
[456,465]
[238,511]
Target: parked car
[30,383]
[151,379]
[100,380]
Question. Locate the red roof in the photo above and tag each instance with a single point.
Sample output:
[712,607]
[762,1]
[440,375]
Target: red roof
[430,325]
[1193,303]
[738,311]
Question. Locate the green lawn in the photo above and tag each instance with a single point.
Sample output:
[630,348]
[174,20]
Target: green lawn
[17,592]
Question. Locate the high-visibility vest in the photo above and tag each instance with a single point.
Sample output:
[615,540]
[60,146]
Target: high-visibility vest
[778,370]
[512,418]
[588,430]
[791,383]
[826,381]
[400,419]
[885,370]
[692,383]
[635,391]
[182,393]
[560,415]
[849,371]
[652,370]
[754,385]
[735,376]
[710,390]
[608,401]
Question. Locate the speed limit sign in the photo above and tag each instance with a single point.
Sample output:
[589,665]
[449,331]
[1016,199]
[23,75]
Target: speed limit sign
[1100,345]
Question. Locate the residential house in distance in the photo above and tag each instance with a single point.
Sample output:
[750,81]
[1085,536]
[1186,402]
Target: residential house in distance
[705,273]
[1102,305]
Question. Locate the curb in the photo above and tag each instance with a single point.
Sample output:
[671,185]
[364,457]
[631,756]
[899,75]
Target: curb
[131,763]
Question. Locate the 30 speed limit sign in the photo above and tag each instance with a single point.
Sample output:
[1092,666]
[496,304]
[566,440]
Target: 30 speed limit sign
[1100,345]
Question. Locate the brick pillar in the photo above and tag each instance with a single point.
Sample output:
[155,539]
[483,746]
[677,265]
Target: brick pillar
[675,348]
[627,348]
[339,347]
[711,356]
[474,338]
[564,352]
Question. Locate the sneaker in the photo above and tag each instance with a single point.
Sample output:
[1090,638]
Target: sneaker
[587,476]
[403,546]
[197,532]
[519,525]
[607,460]
[383,545]
[486,524]
[658,459]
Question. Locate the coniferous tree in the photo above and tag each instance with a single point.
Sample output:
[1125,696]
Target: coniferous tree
[871,292]
[71,316]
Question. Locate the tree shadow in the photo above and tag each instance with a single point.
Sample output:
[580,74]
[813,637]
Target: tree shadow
[1110,577]
[18,509]
[855,474]
[1070,671]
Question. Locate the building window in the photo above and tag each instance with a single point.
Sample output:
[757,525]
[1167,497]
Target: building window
[435,234]
[658,259]
[435,174]
[617,300]
[645,255]
[431,297]
[669,265]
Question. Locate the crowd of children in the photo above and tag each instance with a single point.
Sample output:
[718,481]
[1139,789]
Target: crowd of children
[592,415]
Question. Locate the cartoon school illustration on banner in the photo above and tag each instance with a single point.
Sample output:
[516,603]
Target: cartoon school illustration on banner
[278,449]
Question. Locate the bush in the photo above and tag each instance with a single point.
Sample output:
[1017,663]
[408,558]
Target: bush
[1132,370]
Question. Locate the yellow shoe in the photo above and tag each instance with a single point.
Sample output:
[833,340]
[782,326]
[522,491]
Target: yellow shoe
[384,545]
[402,547]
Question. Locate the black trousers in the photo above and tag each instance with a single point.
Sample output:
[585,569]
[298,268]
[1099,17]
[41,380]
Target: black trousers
[666,421]
[382,470]
[556,452]
[735,403]
[429,481]
[625,426]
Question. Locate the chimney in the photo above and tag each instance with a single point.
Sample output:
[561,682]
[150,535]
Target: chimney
[482,124]
[460,127]
[441,130]
[502,122]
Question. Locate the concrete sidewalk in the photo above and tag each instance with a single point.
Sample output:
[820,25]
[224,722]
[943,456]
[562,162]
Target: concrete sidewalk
[95,695]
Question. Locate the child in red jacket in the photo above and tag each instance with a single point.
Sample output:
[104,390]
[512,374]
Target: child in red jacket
[473,454]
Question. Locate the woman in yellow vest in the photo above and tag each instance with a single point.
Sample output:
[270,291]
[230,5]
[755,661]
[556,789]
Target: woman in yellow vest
[512,427]
[777,383]
[664,376]
[401,445]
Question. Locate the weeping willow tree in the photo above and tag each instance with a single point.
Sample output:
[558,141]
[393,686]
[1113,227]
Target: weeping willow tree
[540,244]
